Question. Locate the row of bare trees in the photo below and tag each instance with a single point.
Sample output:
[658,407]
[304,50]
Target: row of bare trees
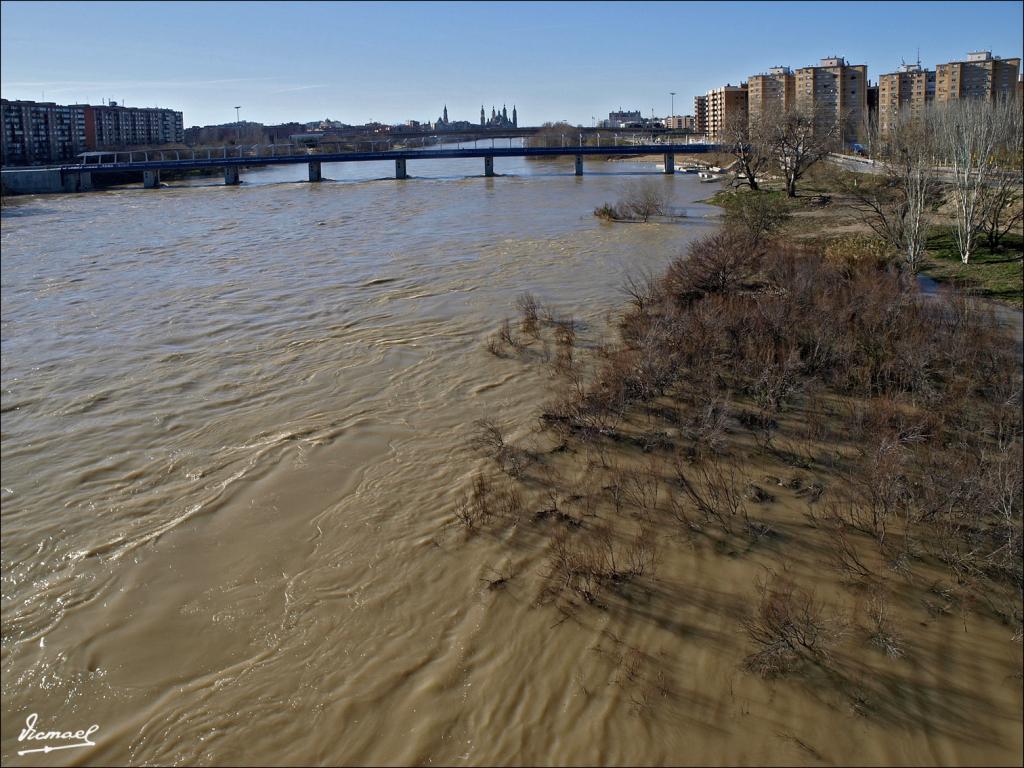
[967,151]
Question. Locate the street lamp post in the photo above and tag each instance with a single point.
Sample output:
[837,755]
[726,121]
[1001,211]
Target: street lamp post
[672,112]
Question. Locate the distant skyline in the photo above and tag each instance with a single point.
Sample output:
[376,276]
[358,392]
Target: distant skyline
[391,62]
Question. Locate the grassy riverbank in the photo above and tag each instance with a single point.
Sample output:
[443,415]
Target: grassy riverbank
[992,274]
[996,275]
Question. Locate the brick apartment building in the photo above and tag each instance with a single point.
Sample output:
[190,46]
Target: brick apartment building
[43,133]
[982,76]
[720,106]
[700,114]
[774,90]
[835,89]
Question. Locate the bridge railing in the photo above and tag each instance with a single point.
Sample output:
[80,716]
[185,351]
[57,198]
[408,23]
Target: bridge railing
[567,141]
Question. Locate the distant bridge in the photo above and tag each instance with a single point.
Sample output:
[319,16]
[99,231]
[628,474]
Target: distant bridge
[232,159]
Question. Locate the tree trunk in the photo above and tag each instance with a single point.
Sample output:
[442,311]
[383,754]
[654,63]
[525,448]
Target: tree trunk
[791,188]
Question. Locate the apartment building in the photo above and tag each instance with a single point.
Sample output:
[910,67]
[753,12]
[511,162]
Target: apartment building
[981,76]
[771,91]
[834,90]
[37,133]
[910,89]
[722,105]
[43,133]
[680,122]
[111,126]
[700,114]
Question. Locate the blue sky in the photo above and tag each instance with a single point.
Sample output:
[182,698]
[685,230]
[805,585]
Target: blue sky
[395,61]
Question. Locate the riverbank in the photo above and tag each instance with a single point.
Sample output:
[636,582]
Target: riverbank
[768,542]
[824,212]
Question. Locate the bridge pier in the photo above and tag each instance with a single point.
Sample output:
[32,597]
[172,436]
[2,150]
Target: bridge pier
[231,175]
[489,165]
[314,171]
[579,165]
[670,162]
[82,183]
[151,179]
[400,172]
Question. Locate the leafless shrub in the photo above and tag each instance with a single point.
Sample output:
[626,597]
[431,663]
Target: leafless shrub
[498,579]
[529,314]
[642,200]
[489,438]
[565,331]
[715,488]
[642,289]
[788,628]
[843,554]
[707,428]
[496,346]
[757,216]
[777,383]
[642,553]
[584,566]
[718,263]
[881,630]
[641,488]
[475,509]
[506,336]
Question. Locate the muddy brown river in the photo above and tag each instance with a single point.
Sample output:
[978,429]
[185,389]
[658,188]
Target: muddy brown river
[235,429]
[234,420]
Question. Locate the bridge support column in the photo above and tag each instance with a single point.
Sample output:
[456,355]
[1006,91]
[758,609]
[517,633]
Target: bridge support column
[151,179]
[670,163]
[400,172]
[230,175]
[579,165]
[488,166]
[314,171]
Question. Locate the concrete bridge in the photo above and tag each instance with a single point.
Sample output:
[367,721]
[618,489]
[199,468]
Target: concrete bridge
[78,177]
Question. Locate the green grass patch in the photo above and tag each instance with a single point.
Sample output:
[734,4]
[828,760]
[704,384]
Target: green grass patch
[723,198]
[997,275]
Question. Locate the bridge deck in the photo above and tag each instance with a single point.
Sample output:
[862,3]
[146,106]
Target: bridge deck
[394,154]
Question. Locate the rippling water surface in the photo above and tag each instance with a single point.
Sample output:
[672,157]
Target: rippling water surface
[234,421]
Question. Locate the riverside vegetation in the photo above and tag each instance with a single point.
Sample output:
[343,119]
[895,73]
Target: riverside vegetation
[800,407]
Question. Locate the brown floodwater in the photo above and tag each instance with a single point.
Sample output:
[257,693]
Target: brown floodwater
[235,429]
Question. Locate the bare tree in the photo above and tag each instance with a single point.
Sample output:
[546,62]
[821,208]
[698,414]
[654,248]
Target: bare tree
[896,207]
[972,137]
[745,140]
[645,199]
[1004,197]
[798,139]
